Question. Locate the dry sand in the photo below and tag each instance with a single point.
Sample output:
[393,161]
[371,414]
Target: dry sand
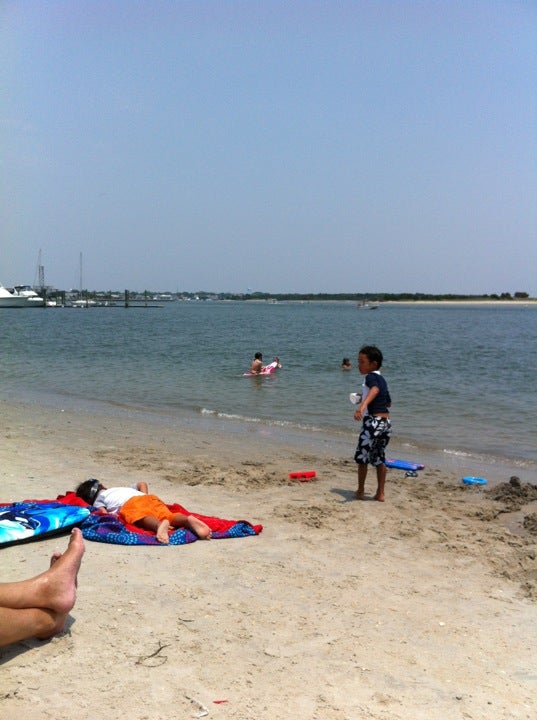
[421,607]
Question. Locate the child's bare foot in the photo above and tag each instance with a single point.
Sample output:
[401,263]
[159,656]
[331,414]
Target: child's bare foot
[202,530]
[379,496]
[360,495]
[162,532]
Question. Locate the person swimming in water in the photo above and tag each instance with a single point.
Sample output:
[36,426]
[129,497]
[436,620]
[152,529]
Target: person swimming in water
[257,364]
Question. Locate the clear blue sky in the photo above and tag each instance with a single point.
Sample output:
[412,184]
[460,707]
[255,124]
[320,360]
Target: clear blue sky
[314,146]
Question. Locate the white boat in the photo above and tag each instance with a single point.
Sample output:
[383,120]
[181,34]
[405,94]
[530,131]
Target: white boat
[33,299]
[20,296]
[83,303]
[7,299]
[366,306]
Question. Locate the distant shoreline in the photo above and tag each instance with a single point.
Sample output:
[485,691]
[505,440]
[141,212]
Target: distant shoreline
[366,300]
[529,301]
[378,303]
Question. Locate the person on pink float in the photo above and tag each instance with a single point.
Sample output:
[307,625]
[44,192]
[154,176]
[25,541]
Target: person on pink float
[257,364]
[38,607]
[373,410]
[136,506]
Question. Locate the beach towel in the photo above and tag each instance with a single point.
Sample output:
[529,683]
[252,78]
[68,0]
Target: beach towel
[110,529]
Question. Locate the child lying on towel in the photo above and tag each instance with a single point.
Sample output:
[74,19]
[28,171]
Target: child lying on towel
[134,505]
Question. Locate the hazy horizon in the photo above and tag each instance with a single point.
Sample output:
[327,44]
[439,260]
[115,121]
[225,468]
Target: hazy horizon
[303,146]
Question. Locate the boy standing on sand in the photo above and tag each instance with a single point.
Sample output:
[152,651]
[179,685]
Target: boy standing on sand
[373,410]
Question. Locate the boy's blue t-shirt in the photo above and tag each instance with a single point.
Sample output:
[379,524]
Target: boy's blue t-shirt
[381,403]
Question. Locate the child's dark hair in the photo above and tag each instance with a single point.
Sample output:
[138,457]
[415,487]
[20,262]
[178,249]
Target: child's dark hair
[258,356]
[88,490]
[373,354]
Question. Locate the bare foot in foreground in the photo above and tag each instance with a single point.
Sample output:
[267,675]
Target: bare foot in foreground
[56,556]
[360,495]
[58,585]
[202,530]
[379,497]
[56,588]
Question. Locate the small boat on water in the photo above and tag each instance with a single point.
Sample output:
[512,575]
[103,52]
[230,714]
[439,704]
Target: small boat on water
[7,299]
[33,299]
[20,296]
[83,303]
[366,306]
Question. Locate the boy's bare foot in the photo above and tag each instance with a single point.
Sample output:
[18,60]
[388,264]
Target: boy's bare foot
[162,532]
[202,530]
[379,497]
[360,495]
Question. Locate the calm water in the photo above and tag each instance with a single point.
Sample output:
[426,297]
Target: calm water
[462,378]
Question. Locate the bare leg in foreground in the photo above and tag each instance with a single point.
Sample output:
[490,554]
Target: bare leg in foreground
[38,607]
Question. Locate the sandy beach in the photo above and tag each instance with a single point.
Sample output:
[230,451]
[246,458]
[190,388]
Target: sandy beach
[420,607]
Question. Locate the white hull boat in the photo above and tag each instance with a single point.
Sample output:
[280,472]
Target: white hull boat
[20,296]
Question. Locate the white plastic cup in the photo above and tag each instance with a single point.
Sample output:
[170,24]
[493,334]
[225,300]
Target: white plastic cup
[355,398]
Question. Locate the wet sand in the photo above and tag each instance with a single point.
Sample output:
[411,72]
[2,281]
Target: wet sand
[420,607]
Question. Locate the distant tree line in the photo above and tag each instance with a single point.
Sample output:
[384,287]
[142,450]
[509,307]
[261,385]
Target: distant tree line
[359,297]
[151,295]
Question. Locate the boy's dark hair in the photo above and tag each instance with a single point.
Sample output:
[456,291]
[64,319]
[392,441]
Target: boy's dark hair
[258,356]
[88,490]
[373,354]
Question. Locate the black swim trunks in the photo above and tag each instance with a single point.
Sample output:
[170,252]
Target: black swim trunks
[373,440]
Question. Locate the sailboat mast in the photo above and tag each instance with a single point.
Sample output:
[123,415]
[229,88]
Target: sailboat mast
[39,277]
[40,272]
